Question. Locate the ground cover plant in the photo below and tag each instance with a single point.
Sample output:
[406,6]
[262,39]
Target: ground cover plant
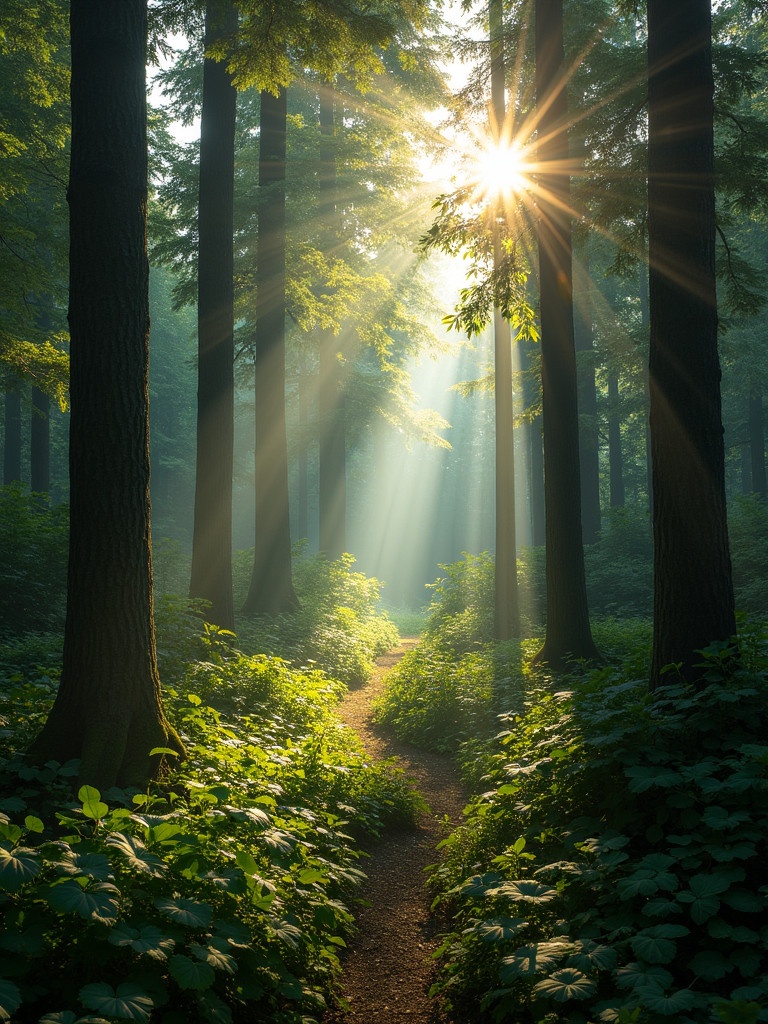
[612,869]
[223,894]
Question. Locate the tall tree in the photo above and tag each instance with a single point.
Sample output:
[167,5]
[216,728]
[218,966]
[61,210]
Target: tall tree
[108,709]
[568,633]
[693,588]
[271,588]
[211,576]
[506,604]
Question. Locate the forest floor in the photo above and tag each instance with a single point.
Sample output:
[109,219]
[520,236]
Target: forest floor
[388,967]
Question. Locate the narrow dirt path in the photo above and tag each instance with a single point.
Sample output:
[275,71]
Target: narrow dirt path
[388,968]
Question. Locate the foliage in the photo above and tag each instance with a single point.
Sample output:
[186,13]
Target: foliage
[33,551]
[222,895]
[748,534]
[611,869]
[619,566]
[338,626]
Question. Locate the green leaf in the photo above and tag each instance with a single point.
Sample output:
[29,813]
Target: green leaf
[98,902]
[89,865]
[191,973]
[655,944]
[10,999]
[17,867]
[148,939]
[33,824]
[668,1004]
[186,912]
[564,985]
[638,975]
[500,928]
[525,890]
[61,1017]
[743,900]
[592,957]
[703,895]
[536,958]
[213,1009]
[128,1001]
[137,855]
[218,959]
[286,932]
[165,751]
[710,964]
[478,885]
[93,806]
[645,777]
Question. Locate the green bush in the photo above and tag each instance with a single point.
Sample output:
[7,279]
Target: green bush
[748,533]
[613,868]
[619,567]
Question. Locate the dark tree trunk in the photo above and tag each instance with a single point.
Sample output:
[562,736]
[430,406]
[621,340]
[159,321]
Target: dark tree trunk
[211,577]
[271,590]
[645,319]
[568,633]
[615,457]
[506,603]
[589,453]
[757,444]
[108,711]
[332,458]
[40,443]
[693,603]
[12,444]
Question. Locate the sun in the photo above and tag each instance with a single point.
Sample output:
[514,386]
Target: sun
[500,170]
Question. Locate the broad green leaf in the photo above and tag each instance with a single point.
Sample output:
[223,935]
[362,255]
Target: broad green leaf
[655,944]
[98,902]
[703,894]
[527,890]
[253,815]
[191,973]
[500,928]
[10,999]
[638,975]
[62,1017]
[661,908]
[668,1004]
[230,880]
[137,855]
[186,912]
[213,1009]
[91,865]
[17,867]
[721,820]
[564,985]
[534,959]
[215,958]
[279,840]
[33,824]
[147,939]
[307,876]
[645,777]
[710,964]
[166,751]
[744,900]
[93,805]
[592,957]
[286,932]
[478,885]
[128,1001]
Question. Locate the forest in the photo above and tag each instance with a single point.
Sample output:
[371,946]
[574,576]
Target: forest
[384,515]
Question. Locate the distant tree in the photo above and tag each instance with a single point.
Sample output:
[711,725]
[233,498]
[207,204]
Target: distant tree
[211,576]
[693,602]
[108,710]
[568,633]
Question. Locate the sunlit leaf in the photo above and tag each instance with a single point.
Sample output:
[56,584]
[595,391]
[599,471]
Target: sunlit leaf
[137,855]
[564,985]
[527,890]
[62,1017]
[186,912]
[93,805]
[592,956]
[191,973]
[286,932]
[215,958]
[147,939]
[98,902]
[17,867]
[500,928]
[128,1001]
[91,865]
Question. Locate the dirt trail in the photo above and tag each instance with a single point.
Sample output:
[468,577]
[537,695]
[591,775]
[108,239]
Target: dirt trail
[388,967]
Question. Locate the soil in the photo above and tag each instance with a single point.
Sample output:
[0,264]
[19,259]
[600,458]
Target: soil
[388,967]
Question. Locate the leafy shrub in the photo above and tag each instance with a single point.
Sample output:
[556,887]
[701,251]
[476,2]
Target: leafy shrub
[612,869]
[33,553]
[619,567]
[748,533]
[222,896]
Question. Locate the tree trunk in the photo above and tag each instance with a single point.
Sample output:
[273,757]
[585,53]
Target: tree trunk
[211,576]
[589,453]
[302,512]
[615,457]
[271,589]
[332,457]
[12,443]
[757,444]
[108,710]
[568,633]
[506,604]
[693,602]
[40,443]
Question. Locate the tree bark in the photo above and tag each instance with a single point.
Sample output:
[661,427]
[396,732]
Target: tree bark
[506,603]
[40,443]
[271,589]
[568,634]
[332,456]
[12,442]
[211,575]
[108,709]
[693,602]
[757,444]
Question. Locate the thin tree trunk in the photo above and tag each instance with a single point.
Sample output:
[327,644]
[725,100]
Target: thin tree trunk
[271,589]
[589,454]
[615,456]
[693,589]
[12,443]
[757,444]
[40,443]
[332,457]
[506,605]
[108,710]
[568,633]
